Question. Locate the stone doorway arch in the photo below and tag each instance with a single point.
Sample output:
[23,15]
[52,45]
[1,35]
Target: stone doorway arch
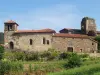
[11,45]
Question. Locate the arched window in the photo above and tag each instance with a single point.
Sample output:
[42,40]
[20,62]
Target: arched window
[11,45]
[31,41]
[48,42]
[44,40]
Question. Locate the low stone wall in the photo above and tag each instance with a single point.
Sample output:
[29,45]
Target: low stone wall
[94,54]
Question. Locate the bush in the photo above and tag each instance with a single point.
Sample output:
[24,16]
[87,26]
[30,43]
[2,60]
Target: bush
[23,56]
[84,55]
[1,52]
[32,56]
[73,61]
[8,55]
[6,67]
[63,56]
[19,56]
[51,54]
[84,70]
[66,55]
[97,38]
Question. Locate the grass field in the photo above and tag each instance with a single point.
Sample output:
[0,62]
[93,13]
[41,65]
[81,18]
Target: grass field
[66,63]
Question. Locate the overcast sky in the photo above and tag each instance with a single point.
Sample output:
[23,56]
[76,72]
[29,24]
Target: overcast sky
[54,14]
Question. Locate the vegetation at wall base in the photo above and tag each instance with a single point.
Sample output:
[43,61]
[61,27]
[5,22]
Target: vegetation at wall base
[1,52]
[84,70]
[97,38]
[51,61]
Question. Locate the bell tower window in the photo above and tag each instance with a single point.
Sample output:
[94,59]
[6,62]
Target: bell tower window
[10,27]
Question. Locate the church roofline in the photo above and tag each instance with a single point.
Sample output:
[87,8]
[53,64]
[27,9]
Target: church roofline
[36,31]
[70,35]
[73,36]
[10,21]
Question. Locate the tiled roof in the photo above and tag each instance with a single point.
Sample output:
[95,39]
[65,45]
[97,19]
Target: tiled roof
[70,35]
[70,29]
[10,21]
[36,31]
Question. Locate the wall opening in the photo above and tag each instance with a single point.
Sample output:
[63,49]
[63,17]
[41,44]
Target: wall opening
[81,50]
[31,41]
[48,42]
[44,40]
[11,45]
[70,49]
[10,27]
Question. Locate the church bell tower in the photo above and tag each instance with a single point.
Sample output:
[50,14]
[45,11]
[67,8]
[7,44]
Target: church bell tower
[9,28]
[88,26]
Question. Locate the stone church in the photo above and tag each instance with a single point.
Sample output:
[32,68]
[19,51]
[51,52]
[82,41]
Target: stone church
[71,40]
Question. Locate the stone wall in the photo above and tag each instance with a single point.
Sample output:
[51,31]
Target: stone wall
[78,44]
[22,41]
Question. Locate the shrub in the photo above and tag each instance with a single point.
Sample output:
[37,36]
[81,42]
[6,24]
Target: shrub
[73,61]
[1,52]
[51,54]
[97,38]
[84,55]
[63,56]
[8,55]
[32,56]
[66,55]
[30,68]
[6,67]
[19,55]
[84,70]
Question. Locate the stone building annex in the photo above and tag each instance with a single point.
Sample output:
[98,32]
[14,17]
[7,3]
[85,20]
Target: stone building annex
[71,40]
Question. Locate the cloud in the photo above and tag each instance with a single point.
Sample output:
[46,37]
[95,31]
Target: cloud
[56,17]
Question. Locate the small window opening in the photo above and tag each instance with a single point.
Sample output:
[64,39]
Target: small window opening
[9,27]
[70,49]
[80,50]
[48,42]
[31,41]
[44,40]
[92,43]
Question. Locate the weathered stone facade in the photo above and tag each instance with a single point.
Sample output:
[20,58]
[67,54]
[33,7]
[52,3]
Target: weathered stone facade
[78,44]
[41,40]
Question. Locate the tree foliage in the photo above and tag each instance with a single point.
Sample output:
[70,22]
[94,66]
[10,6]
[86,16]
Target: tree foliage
[97,38]
[1,38]
[1,52]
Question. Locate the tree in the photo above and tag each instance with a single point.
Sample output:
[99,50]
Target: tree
[97,38]
[1,52]
[1,38]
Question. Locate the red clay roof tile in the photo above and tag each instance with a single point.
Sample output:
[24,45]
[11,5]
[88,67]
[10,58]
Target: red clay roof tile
[10,21]
[36,31]
[70,35]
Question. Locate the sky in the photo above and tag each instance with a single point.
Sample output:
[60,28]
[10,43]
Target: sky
[54,14]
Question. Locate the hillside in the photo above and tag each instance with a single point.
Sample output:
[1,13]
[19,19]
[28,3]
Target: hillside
[1,37]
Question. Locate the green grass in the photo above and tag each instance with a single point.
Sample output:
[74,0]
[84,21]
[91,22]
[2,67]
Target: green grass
[97,73]
[84,70]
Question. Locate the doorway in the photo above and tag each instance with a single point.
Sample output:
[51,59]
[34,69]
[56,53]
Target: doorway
[11,45]
[70,49]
